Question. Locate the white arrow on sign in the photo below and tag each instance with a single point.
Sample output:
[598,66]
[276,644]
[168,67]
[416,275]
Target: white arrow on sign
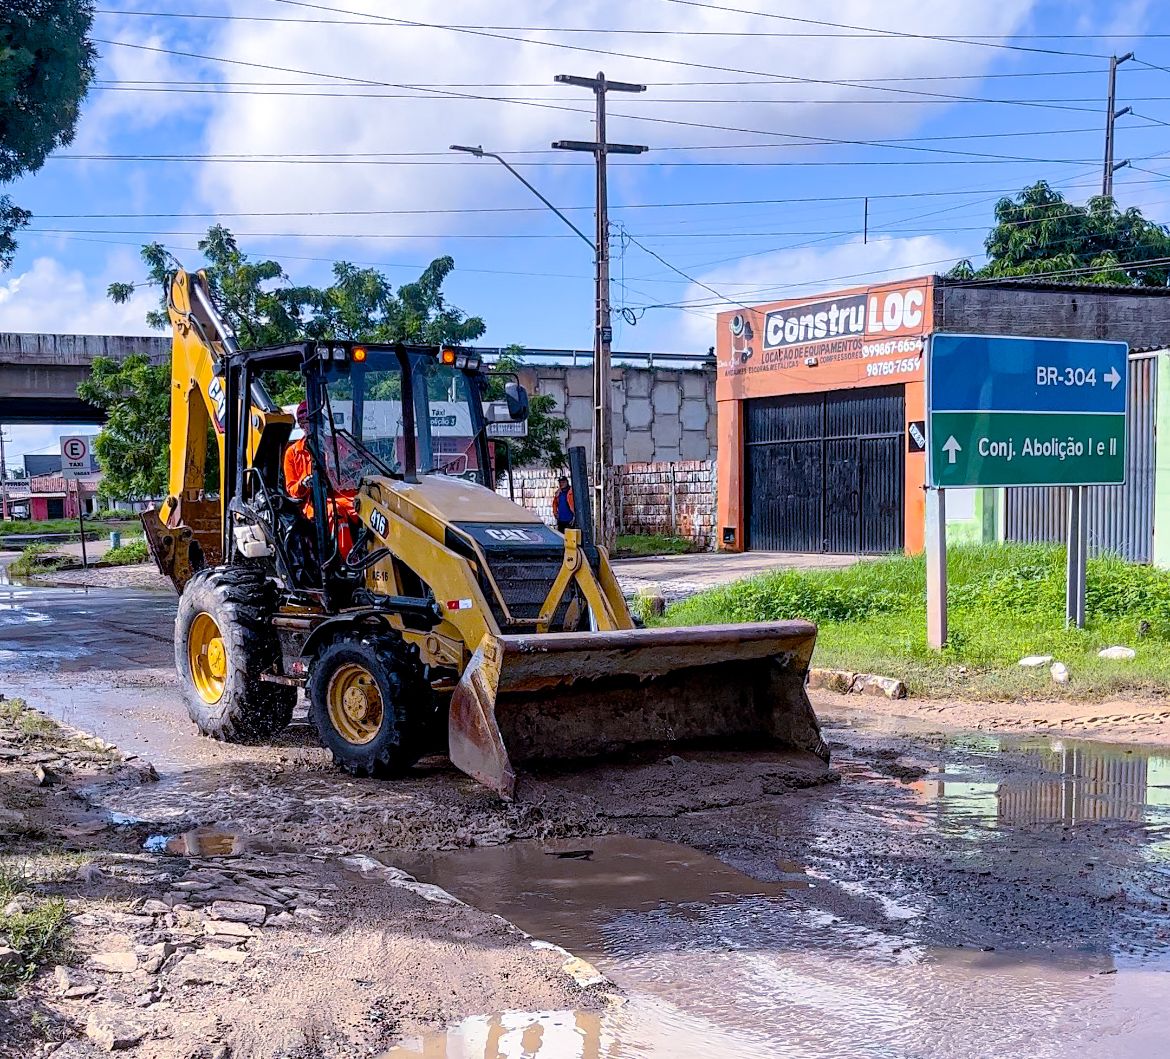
[951,447]
[1113,377]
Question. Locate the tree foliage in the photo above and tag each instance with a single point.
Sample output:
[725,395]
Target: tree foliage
[46,63]
[1040,232]
[265,307]
[546,430]
[132,448]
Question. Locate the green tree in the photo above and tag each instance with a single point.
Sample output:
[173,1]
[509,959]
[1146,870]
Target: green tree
[132,448]
[1040,232]
[46,63]
[264,308]
[545,443]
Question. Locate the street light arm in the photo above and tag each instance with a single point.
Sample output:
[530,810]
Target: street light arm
[479,152]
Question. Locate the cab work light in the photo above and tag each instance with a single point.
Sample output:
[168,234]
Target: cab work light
[447,356]
[359,353]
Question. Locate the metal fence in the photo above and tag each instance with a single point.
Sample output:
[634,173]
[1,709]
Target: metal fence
[1120,518]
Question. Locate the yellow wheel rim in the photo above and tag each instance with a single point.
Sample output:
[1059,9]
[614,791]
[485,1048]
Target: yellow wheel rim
[207,657]
[355,703]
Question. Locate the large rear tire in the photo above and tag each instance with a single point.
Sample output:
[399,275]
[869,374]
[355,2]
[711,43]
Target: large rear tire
[370,703]
[223,642]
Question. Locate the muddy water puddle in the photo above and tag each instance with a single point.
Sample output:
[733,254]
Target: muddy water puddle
[712,962]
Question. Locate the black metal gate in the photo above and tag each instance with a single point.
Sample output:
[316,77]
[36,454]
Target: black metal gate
[824,472]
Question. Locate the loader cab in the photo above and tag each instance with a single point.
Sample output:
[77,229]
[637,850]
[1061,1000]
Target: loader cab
[397,412]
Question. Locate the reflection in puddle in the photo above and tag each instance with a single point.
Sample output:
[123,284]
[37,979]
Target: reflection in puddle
[204,842]
[1059,782]
[556,892]
[524,1035]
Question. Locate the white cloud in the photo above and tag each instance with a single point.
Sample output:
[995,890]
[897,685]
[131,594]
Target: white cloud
[48,297]
[402,55]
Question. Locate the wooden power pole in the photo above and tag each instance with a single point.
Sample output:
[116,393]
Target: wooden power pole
[604,515]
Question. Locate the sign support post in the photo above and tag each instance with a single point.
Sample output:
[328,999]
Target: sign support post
[81,523]
[1078,554]
[75,463]
[1015,411]
[936,568]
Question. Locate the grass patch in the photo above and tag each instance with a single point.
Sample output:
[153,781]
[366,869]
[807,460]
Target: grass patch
[33,925]
[96,526]
[128,554]
[637,545]
[1005,601]
[37,559]
[15,713]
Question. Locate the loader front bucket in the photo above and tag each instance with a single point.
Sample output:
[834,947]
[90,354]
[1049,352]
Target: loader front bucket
[572,695]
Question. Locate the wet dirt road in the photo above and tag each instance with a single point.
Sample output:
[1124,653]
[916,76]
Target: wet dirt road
[948,895]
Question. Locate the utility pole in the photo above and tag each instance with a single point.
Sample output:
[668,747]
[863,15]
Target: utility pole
[1111,116]
[3,478]
[604,515]
[1078,543]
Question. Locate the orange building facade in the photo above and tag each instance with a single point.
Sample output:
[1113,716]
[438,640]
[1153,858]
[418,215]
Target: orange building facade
[820,407]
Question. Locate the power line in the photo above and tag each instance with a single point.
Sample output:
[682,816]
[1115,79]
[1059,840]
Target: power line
[875,34]
[779,79]
[796,200]
[277,91]
[623,55]
[883,32]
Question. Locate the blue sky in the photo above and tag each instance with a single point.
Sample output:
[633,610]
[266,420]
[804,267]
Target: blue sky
[733,103]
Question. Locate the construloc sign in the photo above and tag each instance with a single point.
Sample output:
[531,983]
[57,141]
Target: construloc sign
[867,334]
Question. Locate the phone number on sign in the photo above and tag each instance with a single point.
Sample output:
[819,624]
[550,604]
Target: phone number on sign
[892,367]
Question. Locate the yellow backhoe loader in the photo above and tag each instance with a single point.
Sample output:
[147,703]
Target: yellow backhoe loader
[418,610]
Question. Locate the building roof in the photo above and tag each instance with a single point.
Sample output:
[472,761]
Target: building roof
[37,465]
[1056,286]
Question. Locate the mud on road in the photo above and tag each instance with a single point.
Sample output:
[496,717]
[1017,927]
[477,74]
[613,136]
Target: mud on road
[936,893]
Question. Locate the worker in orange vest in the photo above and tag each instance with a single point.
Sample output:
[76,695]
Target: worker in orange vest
[298,483]
[563,508]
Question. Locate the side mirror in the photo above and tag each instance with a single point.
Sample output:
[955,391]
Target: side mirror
[517,399]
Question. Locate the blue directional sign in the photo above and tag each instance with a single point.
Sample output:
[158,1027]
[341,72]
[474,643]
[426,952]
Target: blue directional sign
[1025,411]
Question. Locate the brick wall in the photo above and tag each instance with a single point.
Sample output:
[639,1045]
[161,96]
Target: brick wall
[675,498]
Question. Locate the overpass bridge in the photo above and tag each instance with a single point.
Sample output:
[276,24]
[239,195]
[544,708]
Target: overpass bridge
[40,373]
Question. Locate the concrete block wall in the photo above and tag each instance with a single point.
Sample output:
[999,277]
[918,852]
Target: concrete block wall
[674,498]
[658,414]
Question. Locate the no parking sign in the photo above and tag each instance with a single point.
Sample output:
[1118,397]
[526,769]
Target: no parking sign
[74,457]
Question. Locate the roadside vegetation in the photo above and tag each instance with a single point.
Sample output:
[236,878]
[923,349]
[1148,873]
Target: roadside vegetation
[128,554]
[95,526]
[37,559]
[635,545]
[1004,602]
[32,923]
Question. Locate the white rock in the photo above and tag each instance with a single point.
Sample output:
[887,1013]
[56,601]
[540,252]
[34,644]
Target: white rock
[73,984]
[1059,672]
[117,962]
[1036,661]
[10,959]
[1118,654]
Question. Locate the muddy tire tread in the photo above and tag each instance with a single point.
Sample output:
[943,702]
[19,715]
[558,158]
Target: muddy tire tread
[242,602]
[410,700]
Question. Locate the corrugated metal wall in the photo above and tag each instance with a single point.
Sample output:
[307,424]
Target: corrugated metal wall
[1120,517]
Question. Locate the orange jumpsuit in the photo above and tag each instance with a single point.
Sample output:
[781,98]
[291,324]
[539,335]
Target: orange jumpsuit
[298,465]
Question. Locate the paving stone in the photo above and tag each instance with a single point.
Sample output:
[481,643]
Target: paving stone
[228,928]
[113,1035]
[239,912]
[73,984]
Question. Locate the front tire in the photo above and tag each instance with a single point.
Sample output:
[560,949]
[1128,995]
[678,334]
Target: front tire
[368,700]
[223,643]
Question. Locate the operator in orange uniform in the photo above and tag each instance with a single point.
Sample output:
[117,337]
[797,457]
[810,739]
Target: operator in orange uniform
[298,473]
